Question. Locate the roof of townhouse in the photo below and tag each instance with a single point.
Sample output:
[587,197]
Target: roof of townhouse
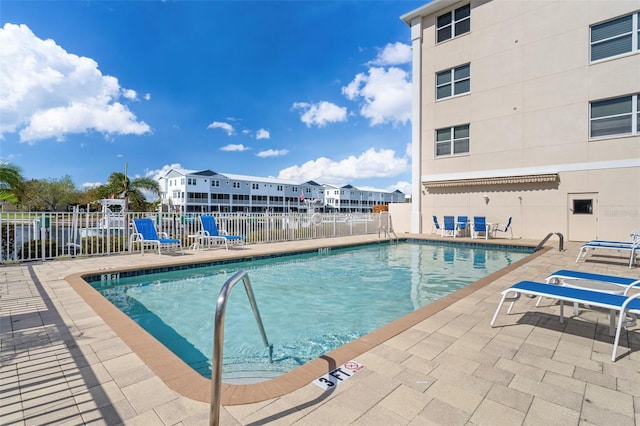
[209,173]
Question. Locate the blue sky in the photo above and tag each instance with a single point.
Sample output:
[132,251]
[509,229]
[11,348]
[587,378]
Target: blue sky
[297,90]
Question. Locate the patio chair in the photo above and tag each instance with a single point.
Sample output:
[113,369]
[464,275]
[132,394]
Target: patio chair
[449,226]
[479,226]
[210,233]
[461,225]
[504,228]
[596,282]
[621,304]
[435,229]
[632,247]
[146,235]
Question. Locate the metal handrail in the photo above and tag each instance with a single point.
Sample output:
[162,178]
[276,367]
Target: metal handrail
[218,339]
[560,237]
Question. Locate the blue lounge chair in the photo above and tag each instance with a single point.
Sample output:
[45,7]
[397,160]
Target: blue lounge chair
[632,247]
[146,235]
[480,226]
[622,304]
[505,228]
[461,225]
[596,282]
[449,227]
[613,280]
[436,226]
[210,233]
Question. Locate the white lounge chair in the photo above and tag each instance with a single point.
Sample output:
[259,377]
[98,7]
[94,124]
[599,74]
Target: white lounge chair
[146,235]
[632,247]
[435,228]
[480,226]
[597,282]
[449,227]
[211,234]
[622,304]
[504,228]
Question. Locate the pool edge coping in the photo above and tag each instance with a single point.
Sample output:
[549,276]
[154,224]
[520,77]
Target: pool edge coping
[181,378]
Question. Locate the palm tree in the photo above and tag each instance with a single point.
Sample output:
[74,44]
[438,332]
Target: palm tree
[11,182]
[120,186]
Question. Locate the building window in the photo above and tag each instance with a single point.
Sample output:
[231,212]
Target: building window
[215,183]
[615,37]
[454,23]
[454,81]
[236,184]
[617,116]
[452,141]
[254,186]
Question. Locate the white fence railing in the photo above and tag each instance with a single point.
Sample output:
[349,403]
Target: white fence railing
[41,236]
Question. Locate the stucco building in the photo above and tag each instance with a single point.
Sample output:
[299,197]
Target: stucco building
[528,109]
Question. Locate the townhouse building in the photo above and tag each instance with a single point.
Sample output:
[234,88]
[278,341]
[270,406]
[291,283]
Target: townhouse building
[528,109]
[206,191]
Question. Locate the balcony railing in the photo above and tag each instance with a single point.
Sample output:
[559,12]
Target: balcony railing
[26,236]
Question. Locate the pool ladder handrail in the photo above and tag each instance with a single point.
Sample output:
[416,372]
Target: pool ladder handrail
[388,229]
[544,240]
[218,339]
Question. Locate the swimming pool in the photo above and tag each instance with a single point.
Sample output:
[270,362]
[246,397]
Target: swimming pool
[343,294]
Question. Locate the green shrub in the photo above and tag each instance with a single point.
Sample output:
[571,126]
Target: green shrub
[7,241]
[33,249]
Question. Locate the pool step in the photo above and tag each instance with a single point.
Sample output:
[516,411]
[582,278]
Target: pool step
[251,372]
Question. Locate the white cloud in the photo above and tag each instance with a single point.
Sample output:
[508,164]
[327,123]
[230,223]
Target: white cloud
[147,96]
[263,134]
[393,54]
[321,113]
[273,153]
[228,128]
[130,94]
[49,93]
[157,173]
[402,185]
[385,95]
[234,147]
[88,185]
[370,164]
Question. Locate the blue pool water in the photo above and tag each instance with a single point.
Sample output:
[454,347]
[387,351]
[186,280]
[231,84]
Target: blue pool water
[310,303]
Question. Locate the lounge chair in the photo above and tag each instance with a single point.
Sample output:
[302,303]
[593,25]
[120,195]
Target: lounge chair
[210,233]
[480,226]
[435,229]
[461,225]
[622,304]
[632,247]
[449,227]
[597,282]
[146,235]
[504,228]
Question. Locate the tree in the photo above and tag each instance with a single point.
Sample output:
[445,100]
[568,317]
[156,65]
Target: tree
[48,194]
[11,182]
[120,186]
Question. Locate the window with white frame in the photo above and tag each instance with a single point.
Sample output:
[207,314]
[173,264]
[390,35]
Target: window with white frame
[615,117]
[452,141]
[454,81]
[616,37]
[453,24]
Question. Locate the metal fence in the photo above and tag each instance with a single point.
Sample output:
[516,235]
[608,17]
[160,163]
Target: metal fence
[41,236]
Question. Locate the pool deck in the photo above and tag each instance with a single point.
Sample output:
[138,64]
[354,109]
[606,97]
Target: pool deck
[67,358]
